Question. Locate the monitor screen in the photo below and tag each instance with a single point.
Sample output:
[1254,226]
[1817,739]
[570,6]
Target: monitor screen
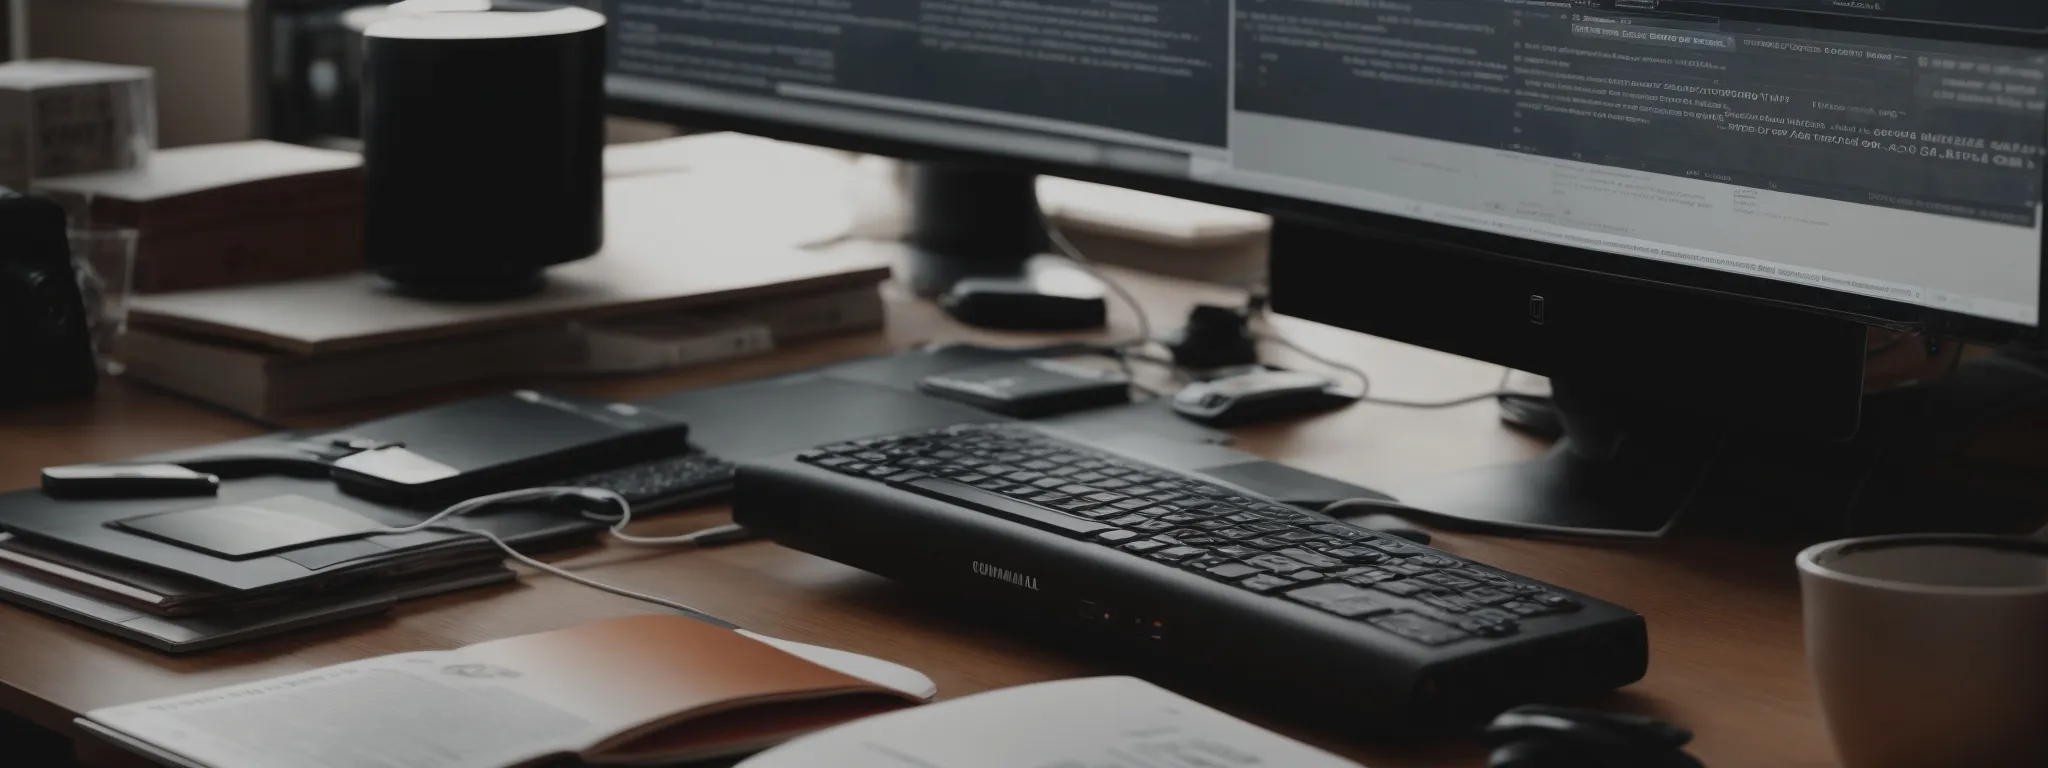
[1876,148]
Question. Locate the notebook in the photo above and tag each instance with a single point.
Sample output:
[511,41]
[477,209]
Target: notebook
[646,690]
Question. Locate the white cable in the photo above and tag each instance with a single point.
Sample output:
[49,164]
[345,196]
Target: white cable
[1365,381]
[1087,265]
[617,531]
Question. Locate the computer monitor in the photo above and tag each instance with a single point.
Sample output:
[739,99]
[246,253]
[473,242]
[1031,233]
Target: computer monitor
[1685,211]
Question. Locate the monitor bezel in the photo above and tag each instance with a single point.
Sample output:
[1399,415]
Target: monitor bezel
[1412,233]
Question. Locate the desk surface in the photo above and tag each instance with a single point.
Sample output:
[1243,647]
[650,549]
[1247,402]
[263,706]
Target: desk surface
[1726,657]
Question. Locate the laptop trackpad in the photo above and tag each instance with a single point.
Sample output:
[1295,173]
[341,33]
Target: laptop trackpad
[247,529]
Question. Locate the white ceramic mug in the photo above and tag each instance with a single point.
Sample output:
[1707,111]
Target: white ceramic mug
[1931,651]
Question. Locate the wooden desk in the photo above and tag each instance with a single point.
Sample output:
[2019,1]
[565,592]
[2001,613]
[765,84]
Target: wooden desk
[1726,659]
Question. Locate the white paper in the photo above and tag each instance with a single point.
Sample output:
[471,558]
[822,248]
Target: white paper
[1106,722]
[417,710]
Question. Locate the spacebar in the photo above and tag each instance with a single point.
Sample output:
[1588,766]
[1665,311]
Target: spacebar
[1004,506]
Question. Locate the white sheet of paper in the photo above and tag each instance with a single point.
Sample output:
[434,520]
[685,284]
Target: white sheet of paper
[1104,722]
[404,711]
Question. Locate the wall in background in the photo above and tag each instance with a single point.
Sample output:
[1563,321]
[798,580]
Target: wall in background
[199,49]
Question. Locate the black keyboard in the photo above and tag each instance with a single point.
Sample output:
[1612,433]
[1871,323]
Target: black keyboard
[1294,601]
[652,486]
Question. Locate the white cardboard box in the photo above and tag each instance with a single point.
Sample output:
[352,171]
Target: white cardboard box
[60,117]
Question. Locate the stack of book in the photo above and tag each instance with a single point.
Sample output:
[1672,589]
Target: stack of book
[660,296]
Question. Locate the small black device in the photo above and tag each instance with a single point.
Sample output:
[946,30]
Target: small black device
[45,343]
[1215,337]
[1259,395]
[127,481]
[483,138]
[1030,388]
[1558,737]
[1045,294]
[666,483]
[476,447]
[1291,603]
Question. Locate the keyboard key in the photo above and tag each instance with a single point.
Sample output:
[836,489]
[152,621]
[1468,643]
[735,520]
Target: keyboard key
[1400,588]
[1432,561]
[904,477]
[1419,629]
[1105,497]
[1484,628]
[1395,547]
[1235,534]
[1312,559]
[1306,576]
[1048,483]
[1115,536]
[1357,555]
[1494,615]
[1344,600]
[1008,508]
[1145,546]
[1204,563]
[1244,518]
[1488,596]
[1130,521]
[1555,602]
[1403,569]
[1269,543]
[1132,504]
[1204,540]
[1112,485]
[1237,552]
[1152,526]
[1177,554]
[1075,489]
[1447,580]
[1294,535]
[1265,582]
[1276,563]
[1266,526]
[1521,608]
[1179,518]
[1449,603]
[834,463]
[1369,575]
[1207,525]
[1075,506]
[1233,571]
[1089,477]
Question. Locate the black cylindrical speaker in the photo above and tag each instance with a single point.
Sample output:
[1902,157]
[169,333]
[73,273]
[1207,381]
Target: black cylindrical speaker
[483,145]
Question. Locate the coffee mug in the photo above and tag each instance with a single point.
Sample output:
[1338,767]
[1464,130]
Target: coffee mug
[1931,651]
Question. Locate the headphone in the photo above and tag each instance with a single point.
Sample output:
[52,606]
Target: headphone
[1557,737]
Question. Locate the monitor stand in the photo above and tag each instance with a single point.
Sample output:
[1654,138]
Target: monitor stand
[979,246]
[1619,472]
